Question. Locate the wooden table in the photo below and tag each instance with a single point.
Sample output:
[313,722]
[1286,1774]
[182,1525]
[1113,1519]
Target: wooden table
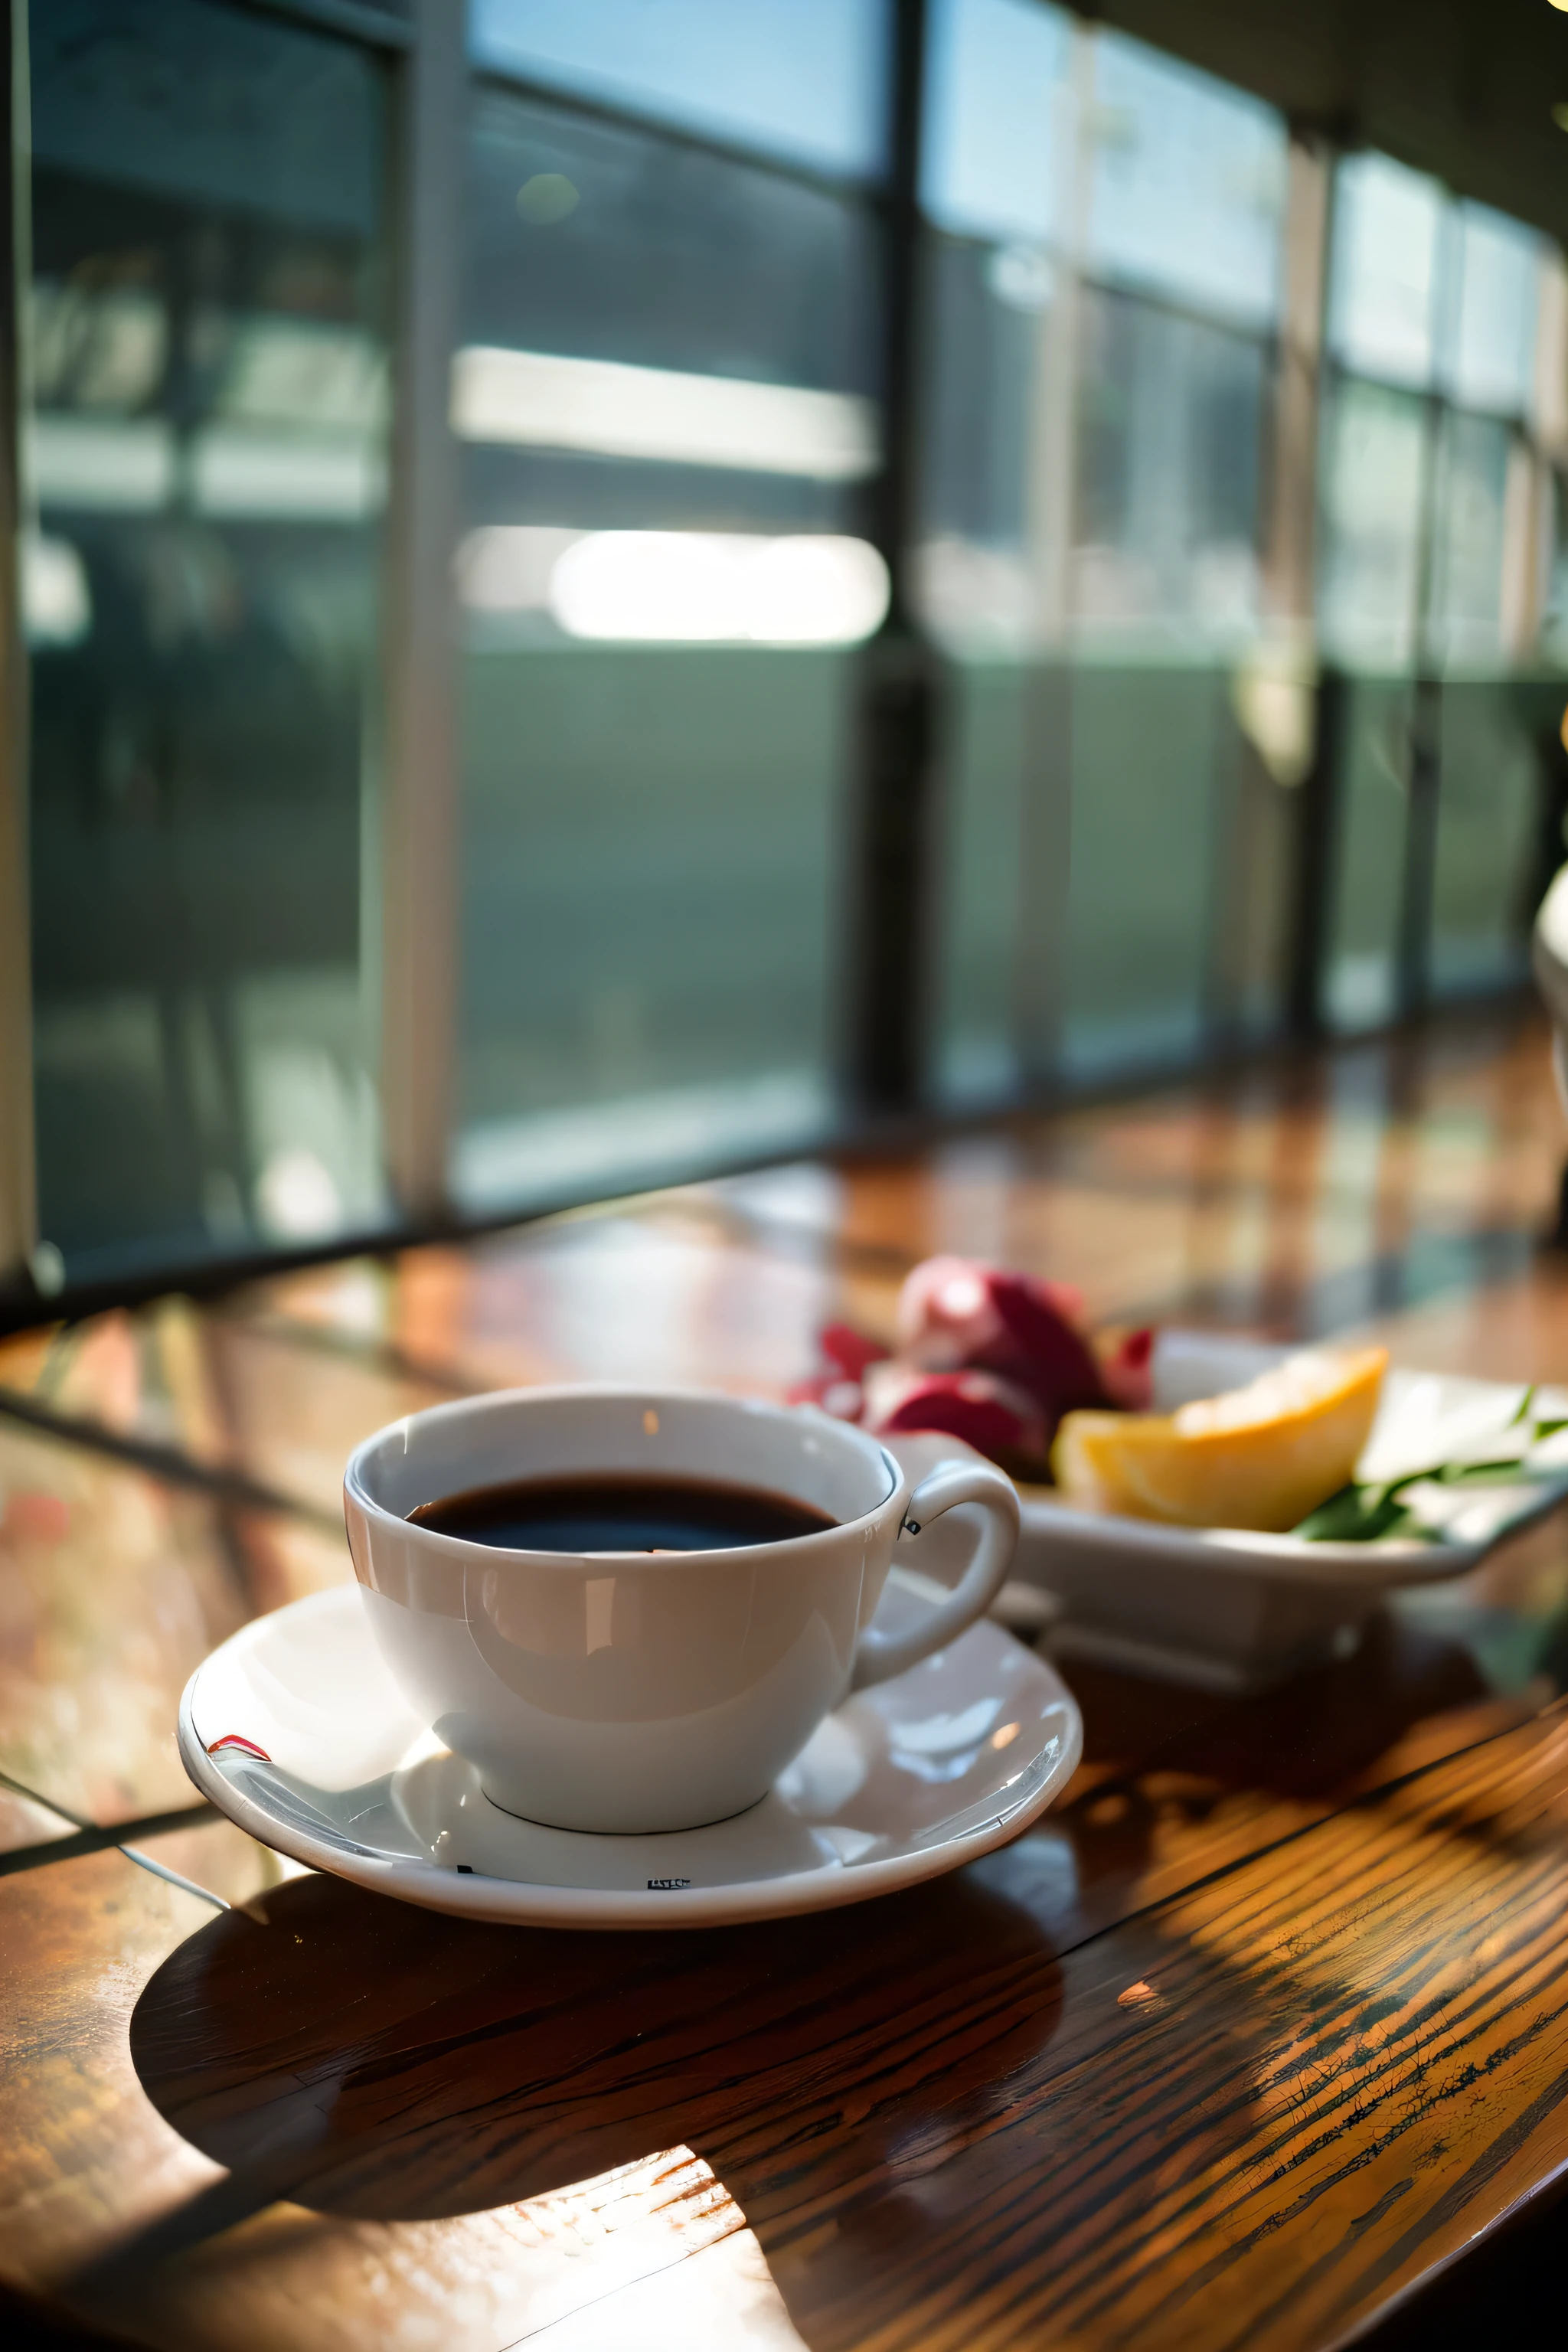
[1253,2034]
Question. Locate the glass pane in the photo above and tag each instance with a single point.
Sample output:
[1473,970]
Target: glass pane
[996,122]
[1131,753]
[1384,273]
[802,78]
[1474,459]
[1494,734]
[664,390]
[1171,423]
[1111,879]
[1362,979]
[709,321]
[1171,426]
[205,462]
[1555,613]
[988,312]
[1492,355]
[1148,747]
[1187,182]
[989,732]
[1371,486]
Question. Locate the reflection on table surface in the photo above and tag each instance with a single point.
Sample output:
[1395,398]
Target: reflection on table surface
[1247,2035]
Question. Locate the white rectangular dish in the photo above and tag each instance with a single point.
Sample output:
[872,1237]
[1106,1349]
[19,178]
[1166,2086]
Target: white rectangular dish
[1230,1611]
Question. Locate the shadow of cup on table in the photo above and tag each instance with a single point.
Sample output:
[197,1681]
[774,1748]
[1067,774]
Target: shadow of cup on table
[366,2059]
[360,2056]
[872,2086]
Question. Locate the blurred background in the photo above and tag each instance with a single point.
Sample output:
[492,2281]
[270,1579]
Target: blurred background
[611,588]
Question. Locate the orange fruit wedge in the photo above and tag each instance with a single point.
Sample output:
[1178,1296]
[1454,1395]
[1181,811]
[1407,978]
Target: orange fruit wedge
[1261,1456]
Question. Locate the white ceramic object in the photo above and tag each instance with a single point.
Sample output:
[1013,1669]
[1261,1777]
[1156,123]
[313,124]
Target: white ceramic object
[902,1782]
[629,1691]
[1231,1611]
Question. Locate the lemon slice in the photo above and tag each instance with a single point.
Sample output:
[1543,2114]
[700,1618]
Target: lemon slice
[1261,1456]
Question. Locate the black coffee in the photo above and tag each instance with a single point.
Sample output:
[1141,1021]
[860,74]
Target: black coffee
[601,1511]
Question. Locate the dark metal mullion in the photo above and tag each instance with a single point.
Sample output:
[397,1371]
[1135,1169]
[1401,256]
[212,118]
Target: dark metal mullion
[888,915]
[892,493]
[1316,830]
[1319,835]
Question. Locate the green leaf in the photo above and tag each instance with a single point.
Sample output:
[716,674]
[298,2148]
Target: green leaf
[1359,1515]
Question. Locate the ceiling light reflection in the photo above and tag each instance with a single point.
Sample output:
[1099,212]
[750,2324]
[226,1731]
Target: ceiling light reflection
[548,401]
[57,601]
[709,588]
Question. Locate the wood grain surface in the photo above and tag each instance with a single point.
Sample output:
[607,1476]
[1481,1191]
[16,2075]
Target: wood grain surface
[945,2129]
[1259,2027]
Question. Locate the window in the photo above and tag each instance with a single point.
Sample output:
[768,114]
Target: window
[1434,489]
[803,80]
[997,95]
[668,398]
[676,264]
[1387,245]
[1169,451]
[1494,312]
[1373,486]
[1103,281]
[205,463]
[1186,184]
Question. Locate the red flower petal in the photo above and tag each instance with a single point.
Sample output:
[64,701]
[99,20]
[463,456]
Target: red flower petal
[986,1413]
[1048,1355]
[849,1350]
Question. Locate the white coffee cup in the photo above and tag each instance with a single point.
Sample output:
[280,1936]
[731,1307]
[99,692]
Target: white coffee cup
[636,1691]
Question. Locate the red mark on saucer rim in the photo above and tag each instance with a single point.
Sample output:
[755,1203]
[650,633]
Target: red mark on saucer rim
[238,1739]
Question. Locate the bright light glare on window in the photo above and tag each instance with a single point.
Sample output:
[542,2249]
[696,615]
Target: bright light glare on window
[542,400]
[295,1197]
[505,567]
[675,587]
[131,466]
[805,591]
[57,603]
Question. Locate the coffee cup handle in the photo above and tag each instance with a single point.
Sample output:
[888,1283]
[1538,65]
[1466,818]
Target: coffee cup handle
[879,1656]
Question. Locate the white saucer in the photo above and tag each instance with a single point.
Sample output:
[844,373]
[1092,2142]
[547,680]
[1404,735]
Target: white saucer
[903,1782]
